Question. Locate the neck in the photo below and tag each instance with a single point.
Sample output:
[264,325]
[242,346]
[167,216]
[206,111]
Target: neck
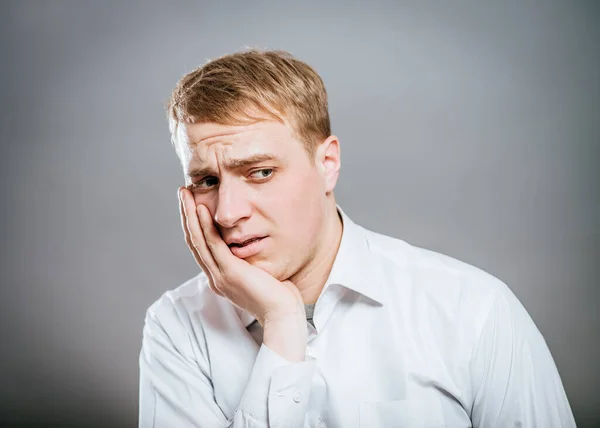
[311,280]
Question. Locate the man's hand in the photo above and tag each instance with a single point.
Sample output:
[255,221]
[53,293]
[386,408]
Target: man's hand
[277,305]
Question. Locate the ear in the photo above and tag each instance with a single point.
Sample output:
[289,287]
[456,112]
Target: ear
[328,162]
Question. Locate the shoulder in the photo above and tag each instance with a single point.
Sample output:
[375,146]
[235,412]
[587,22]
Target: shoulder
[183,310]
[180,317]
[448,284]
[424,261]
[188,296]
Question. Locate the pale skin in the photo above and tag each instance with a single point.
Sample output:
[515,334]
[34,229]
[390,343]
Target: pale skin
[258,179]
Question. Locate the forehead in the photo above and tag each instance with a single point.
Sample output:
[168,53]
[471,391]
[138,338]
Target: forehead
[195,142]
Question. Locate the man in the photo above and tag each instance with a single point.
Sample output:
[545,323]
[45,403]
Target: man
[302,318]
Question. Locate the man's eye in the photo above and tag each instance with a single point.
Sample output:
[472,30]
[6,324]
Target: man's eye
[262,173]
[206,183]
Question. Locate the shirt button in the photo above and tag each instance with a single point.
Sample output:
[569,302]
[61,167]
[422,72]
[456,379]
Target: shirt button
[297,396]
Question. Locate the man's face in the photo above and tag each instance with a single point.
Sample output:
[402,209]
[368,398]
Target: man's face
[257,181]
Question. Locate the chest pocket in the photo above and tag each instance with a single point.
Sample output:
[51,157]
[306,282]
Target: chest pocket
[401,414]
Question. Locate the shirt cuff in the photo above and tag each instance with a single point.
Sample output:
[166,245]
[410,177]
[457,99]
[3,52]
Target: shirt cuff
[278,390]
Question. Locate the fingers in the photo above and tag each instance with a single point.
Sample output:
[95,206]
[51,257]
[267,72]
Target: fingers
[218,248]
[195,238]
[184,227]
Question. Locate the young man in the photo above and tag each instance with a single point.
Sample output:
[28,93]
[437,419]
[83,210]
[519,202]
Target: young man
[302,318]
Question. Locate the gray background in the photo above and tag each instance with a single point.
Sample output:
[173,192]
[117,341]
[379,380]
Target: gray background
[468,128]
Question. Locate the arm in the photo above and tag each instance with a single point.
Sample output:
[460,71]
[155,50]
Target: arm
[176,389]
[175,384]
[515,380]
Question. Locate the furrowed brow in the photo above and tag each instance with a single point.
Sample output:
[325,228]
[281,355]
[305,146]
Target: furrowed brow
[250,160]
[234,164]
[200,172]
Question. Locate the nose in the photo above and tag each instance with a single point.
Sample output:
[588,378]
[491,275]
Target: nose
[232,205]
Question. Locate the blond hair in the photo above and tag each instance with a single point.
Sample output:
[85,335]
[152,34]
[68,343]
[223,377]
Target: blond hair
[230,90]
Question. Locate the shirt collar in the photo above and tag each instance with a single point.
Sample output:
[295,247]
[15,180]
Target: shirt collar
[353,267]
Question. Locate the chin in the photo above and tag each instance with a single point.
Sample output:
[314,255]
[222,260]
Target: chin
[268,266]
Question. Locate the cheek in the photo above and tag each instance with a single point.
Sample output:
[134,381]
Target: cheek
[204,199]
[301,209]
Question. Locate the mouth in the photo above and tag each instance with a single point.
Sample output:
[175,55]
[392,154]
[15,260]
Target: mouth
[249,248]
[246,242]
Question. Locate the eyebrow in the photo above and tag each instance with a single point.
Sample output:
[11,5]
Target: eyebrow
[234,164]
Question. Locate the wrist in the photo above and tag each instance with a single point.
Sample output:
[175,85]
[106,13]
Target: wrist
[287,336]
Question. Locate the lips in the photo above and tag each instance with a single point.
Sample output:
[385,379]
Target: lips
[244,243]
[249,247]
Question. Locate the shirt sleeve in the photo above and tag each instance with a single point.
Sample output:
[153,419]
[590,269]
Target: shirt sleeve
[515,380]
[176,389]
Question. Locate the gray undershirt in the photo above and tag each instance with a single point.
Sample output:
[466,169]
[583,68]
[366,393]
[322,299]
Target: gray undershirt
[310,310]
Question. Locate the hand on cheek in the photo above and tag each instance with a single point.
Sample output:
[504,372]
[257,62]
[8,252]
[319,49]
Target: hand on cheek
[277,305]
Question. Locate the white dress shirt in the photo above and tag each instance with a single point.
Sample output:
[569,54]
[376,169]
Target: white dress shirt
[403,337]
